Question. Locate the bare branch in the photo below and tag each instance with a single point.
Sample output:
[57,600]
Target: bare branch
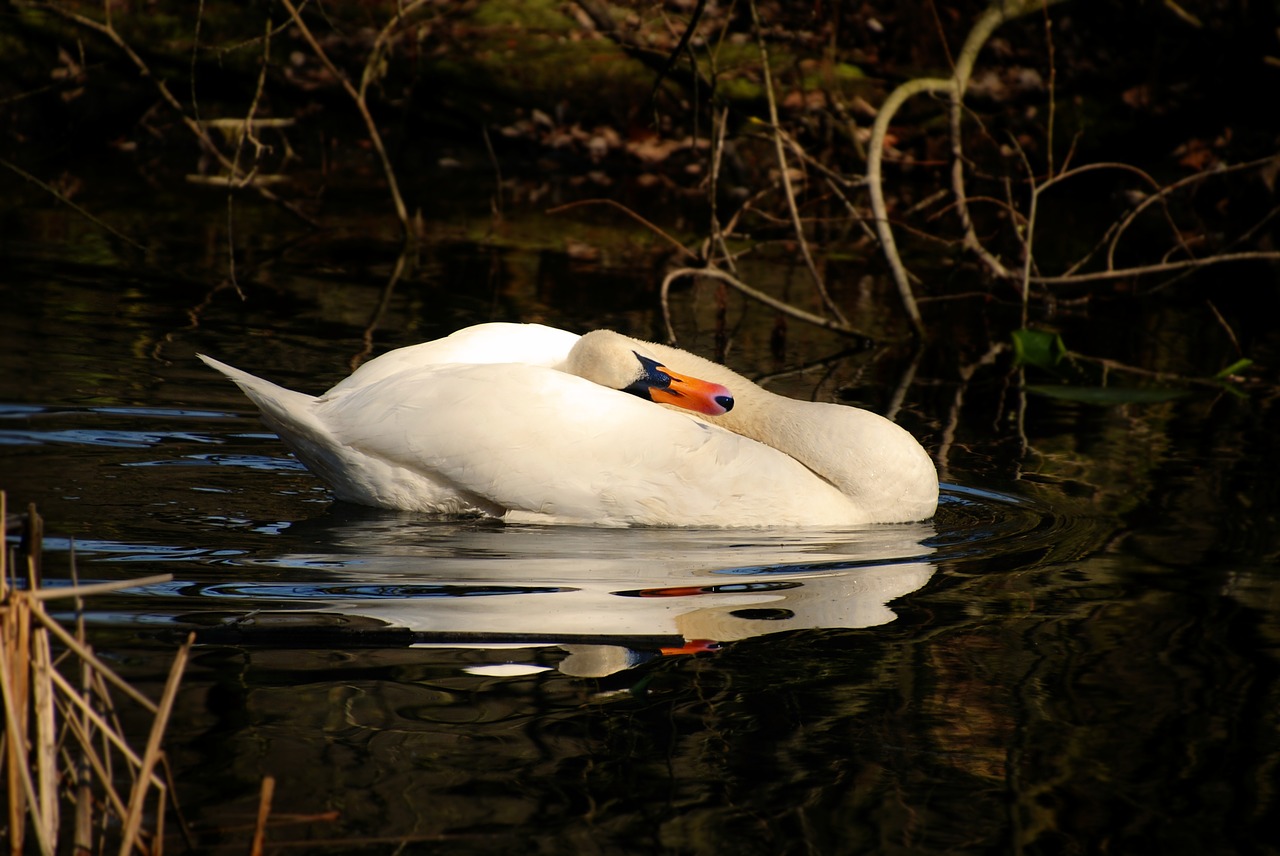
[358,96]
[875,189]
[996,14]
[787,189]
[768,300]
[1162,194]
[1162,267]
[633,215]
[66,201]
[110,32]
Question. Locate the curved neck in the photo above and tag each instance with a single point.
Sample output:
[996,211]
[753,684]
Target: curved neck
[878,465]
[786,424]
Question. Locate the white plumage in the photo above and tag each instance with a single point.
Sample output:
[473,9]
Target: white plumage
[529,423]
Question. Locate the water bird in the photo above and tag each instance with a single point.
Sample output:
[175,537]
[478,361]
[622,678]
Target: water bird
[537,425]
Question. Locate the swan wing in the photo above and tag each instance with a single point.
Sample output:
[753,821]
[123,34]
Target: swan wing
[539,444]
[497,342]
[480,421]
[358,477]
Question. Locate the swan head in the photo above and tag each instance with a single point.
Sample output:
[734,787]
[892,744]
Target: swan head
[613,360]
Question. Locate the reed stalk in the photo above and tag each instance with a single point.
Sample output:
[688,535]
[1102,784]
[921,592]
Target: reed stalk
[60,730]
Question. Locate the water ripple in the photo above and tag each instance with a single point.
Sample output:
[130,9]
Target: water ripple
[407,579]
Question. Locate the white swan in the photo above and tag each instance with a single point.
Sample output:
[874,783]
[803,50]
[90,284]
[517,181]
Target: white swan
[533,424]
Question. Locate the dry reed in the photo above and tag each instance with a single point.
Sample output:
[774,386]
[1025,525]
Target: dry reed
[62,746]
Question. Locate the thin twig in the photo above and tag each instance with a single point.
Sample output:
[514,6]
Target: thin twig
[183,825]
[903,386]
[195,55]
[245,133]
[66,201]
[1163,267]
[383,302]
[962,199]
[496,201]
[942,453]
[828,363]
[15,692]
[379,44]
[110,32]
[681,46]
[719,129]
[1028,234]
[85,739]
[361,105]
[772,302]
[1106,238]
[785,172]
[1116,365]
[996,14]
[875,189]
[97,588]
[685,251]
[1231,334]
[1162,194]
[1052,88]
[85,706]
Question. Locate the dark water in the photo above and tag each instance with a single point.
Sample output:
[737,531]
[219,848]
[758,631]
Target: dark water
[1078,655]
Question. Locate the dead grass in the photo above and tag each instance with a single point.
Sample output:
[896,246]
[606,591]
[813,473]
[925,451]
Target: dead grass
[66,764]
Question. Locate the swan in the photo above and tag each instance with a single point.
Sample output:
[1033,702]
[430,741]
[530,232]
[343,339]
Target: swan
[533,424]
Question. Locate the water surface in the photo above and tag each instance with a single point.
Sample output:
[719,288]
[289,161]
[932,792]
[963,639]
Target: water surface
[1077,655]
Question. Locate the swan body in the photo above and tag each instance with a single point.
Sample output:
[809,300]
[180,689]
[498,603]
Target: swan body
[533,424]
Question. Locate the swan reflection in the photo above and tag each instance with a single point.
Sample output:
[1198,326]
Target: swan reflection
[610,598]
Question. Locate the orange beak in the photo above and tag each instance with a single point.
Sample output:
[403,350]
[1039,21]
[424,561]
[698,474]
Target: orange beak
[693,646]
[692,393]
[659,384]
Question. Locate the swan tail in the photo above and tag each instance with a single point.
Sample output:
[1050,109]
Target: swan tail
[283,409]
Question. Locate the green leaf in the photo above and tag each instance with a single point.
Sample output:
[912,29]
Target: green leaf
[1108,395]
[1238,365]
[1038,348]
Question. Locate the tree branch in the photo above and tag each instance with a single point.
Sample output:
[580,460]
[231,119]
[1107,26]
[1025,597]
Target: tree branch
[362,106]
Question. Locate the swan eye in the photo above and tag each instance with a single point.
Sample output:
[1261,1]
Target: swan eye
[661,385]
[655,377]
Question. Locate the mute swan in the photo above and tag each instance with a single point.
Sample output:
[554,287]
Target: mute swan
[534,424]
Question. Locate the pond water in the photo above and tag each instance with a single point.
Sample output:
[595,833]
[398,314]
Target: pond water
[1078,654]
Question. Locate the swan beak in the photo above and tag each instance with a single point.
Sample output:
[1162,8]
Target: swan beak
[694,394]
[663,386]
